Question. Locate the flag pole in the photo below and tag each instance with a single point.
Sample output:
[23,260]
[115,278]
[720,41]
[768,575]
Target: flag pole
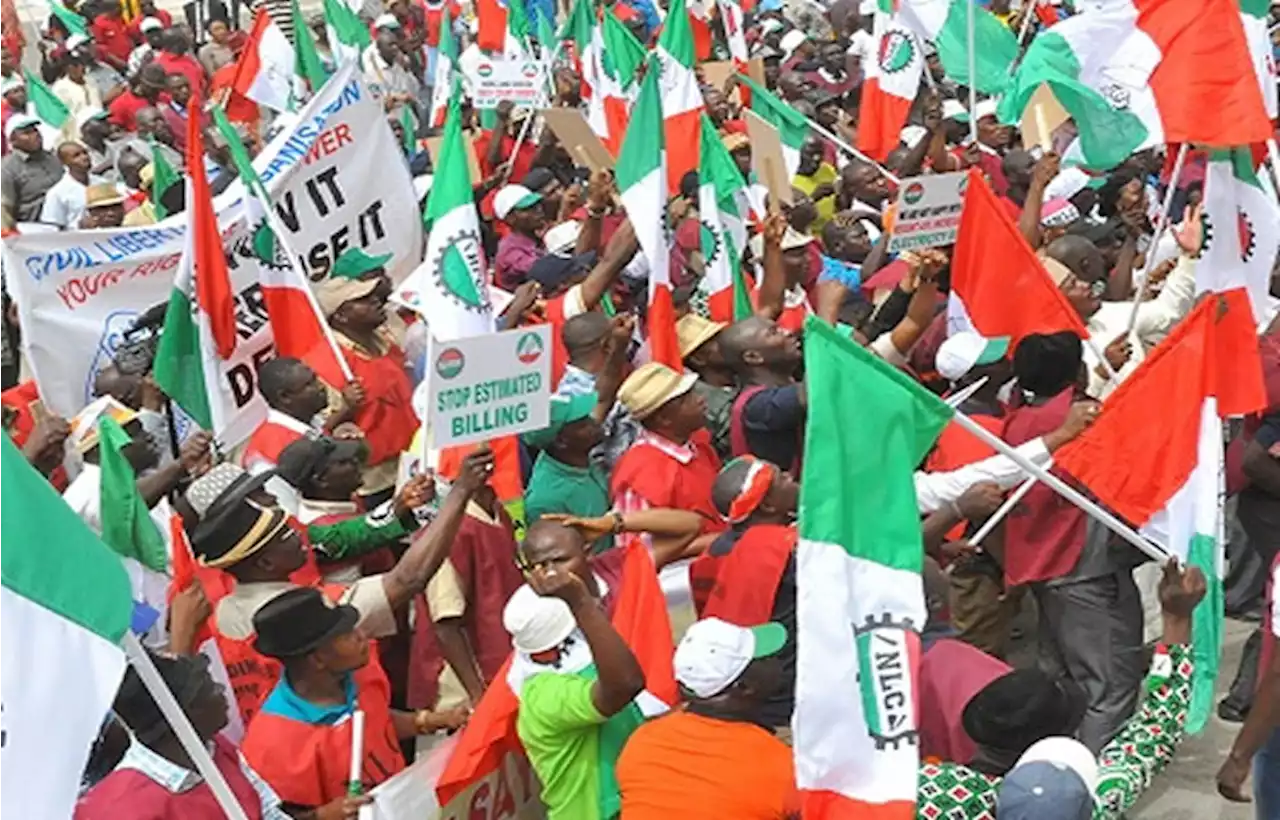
[1026,22]
[970,14]
[999,515]
[1274,155]
[1143,545]
[1155,241]
[849,149]
[182,728]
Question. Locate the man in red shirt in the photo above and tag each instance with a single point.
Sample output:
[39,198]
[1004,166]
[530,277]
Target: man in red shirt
[147,8]
[175,57]
[295,396]
[111,36]
[673,463]
[143,92]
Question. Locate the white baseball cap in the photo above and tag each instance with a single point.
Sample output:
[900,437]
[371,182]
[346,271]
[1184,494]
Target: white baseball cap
[386,20]
[965,350]
[985,108]
[75,41]
[150,24]
[1065,753]
[792,40]
[537,623]
[562,238]
[954,110]
[17,122]
[714,653]
[512,198]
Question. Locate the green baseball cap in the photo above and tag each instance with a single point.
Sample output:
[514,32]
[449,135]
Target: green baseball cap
[355,263]
[565,410]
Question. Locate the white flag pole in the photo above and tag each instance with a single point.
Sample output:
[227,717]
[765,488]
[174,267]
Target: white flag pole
[1000,514]
[971,12]
[1161,224]
[849,149]
[182,728]
[355,783]
[1143,545]
[960,396]
[1026,24]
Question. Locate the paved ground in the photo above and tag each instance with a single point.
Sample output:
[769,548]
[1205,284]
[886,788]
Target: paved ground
[1185,790]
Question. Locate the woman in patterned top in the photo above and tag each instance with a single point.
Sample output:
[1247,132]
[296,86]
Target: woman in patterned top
[1126,765]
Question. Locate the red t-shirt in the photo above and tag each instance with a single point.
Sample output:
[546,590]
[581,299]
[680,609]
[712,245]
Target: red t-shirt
[111,35]
[135,28]
[124,109]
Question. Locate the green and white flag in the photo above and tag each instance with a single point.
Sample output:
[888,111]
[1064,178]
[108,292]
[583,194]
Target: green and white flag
[446,70]
[74,23]
[65,604]
[307,57]
[127,527]
[163,176]
[449,287]
[860,597]
[793,129]
[946,24]
[47,105]
[348,35]
[723,229]
[1241,230]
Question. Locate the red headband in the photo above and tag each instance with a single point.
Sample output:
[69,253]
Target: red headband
[755,487]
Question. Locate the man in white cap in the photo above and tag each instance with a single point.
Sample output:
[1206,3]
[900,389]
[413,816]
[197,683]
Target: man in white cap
[76,92]
[521,209]
[28,172]
[383,64]
[558,630]
[152,34]
[711,759]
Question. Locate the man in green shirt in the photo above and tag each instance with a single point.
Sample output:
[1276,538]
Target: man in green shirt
[572,672]
[565,479]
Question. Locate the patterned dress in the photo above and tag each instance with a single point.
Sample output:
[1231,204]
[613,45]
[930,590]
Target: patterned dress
[1126,765]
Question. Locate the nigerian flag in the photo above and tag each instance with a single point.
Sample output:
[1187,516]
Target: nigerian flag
[449,287]
[860,598]
[446,66]
[1241,229]
[946,24]
[62,622]
[723,229]
[162,177]
[348,35]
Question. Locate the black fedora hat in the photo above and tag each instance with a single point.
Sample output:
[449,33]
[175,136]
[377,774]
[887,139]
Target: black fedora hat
[231,533]
[299,621]
[304,460]
[1019,708]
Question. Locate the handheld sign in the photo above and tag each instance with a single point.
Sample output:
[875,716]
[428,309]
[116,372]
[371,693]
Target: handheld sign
[488,386]
[927,212]
[521,81]
[767,158]
[434,144]
[571,128]
[1041,118]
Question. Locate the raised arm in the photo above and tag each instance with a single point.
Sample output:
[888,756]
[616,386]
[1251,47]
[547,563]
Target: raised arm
[622,246]
[773,279]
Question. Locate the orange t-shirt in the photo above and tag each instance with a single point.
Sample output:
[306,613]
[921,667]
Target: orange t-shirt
[692,767]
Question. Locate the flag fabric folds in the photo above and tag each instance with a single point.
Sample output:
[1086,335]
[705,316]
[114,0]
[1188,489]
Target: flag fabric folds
[47,105]
[126,525]
[722,229]
[1241,229]
[1166,478]
[682,104]
[892,79]
[62,624]
[860,599]
[946,24]
[265,70]
[998,285]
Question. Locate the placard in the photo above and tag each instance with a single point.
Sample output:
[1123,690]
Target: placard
[767,158]
[928,211]
[576,136]
[1042,116]
[489,386]
[523,82]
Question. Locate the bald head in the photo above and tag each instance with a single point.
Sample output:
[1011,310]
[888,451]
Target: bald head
[584,332]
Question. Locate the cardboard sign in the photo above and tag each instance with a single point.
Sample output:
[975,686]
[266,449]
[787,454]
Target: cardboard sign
[767,158]
[523,82]
[571,128]
[488,386]
[1041,118]
[928,212]
[715,73]
[473,162]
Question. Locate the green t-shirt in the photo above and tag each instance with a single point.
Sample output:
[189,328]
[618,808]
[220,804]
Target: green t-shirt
[556,487]
[560,729]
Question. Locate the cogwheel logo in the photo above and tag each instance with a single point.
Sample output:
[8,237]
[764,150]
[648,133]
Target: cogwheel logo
[1248,236]
[913,193]
[896,52]
[264,247]
[530,71]
[450,362]
[710,242]
[457,270]
[1116,95]
[888,650]
[529,348]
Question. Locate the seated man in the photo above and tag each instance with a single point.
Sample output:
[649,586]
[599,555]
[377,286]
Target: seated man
[301,740]
[711,759]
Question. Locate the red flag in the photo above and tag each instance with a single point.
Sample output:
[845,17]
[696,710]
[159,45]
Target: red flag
[492,17]
[997,280]
[186,572]
[213,283]
[1135,465]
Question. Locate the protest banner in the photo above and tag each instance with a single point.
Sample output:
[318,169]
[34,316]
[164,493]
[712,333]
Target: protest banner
[519,80]
[767,159]
[927,213]
[508,793]
[336,185]
[487,386]
[79,291]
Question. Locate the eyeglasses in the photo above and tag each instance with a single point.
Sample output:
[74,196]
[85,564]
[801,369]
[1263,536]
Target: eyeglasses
[1097,288]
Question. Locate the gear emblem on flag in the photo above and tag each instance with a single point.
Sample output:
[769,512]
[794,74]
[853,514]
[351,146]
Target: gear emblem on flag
[1116,95]
[1248,236]
[457,270]
[263,247]
[896,52]
[709,241]
[888,657]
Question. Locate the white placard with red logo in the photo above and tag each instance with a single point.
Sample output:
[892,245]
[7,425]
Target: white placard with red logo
[927,214]
[489,386]
[521,81]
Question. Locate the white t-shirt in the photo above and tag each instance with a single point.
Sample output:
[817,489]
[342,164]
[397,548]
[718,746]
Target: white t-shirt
[64,202]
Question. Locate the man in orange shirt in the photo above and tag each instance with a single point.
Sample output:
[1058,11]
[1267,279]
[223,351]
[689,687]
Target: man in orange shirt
[708,759]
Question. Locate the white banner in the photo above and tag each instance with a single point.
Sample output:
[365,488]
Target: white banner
[521,81]
[337,184]
[510,793]
[339,181]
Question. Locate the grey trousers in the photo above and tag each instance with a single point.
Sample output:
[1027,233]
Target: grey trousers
[1091,631]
